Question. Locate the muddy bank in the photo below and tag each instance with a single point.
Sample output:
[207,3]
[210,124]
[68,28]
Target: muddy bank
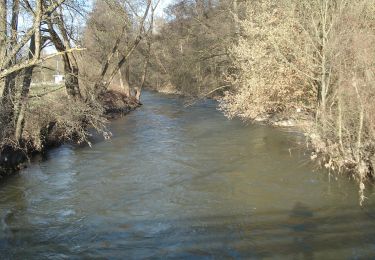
[117,104]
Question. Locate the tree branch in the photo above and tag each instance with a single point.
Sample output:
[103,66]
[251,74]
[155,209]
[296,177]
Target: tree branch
[30,63]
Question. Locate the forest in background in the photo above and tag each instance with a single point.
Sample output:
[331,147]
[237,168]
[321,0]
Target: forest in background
[309,61]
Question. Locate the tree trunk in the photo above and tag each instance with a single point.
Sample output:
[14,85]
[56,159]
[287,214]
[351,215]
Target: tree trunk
[34,54]
[10,80]
[127,78]
[3,29]
[236,20]
[71,80]
[7,84]
[27,77]
[124,85]
[148,54]
[199,5]
[3,37]
[138,91]
[361,121]
[325,24]
[14,22]
[103,85]
[339,105]
[121,80]
[70,64]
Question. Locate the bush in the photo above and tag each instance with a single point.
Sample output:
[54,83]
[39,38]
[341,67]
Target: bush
[68,120]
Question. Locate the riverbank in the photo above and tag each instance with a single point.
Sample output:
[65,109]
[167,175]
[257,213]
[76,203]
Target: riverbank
[355,159]
[61,128]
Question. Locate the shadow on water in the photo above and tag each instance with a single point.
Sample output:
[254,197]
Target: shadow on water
[301,233]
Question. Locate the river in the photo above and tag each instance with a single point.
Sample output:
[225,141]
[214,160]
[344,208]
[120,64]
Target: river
[184,182]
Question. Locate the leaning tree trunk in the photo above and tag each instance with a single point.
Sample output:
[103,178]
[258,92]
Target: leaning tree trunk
[34,53]
[124,85]
[102,84]
[71,78]
[70,64]
[8,83]
[149,39]
[3,29]
[10,80]
[138,91]
[27,77]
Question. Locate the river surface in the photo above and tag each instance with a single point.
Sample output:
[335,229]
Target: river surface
[184,182]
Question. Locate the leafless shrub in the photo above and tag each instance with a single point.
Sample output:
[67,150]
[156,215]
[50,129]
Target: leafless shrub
[318,56]
[68,120]
[264,80]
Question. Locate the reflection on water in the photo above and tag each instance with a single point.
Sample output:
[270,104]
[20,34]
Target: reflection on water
[178,182]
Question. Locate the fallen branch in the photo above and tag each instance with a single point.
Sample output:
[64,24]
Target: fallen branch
[205,95]
[214,90]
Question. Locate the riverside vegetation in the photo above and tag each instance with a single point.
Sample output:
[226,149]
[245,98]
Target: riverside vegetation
[34,35]
[309,61]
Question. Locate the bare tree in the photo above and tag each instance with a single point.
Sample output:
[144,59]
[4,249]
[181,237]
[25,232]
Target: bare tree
[106,75]
[312,56]
[15,65]
[149,41]
[61,42]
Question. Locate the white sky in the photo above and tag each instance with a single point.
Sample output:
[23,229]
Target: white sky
[163,4]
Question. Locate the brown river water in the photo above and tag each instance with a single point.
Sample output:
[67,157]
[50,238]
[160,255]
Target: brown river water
[180,182]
